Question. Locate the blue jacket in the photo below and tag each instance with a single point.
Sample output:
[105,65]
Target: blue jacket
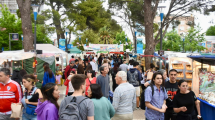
[47,79]
[133,77]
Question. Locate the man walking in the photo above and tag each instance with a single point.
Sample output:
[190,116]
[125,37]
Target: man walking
[171,88]
[103,80]
[134,77]
[124,66]
[93,64]
[10,92]
[69,69]
[86,106]
[124,98]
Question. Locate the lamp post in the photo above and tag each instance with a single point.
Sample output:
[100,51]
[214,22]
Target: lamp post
[22,40]
[86,41]
[135,42]
[126,42]
[35,9]
[66,31]
[79,42]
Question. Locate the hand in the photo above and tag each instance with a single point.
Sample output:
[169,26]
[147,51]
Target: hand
[198,116]
[163,109]
[26,101]
[183,109]
[169,96]
[146,84]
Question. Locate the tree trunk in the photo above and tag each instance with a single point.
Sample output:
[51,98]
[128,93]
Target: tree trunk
[25,11]
[150,43]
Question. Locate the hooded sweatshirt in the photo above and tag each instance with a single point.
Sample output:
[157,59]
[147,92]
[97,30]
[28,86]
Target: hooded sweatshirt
[137,77]
[46,111]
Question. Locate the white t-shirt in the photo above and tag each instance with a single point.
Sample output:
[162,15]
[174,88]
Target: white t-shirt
[71,89]
[95,58]
[93,65]
[130,66]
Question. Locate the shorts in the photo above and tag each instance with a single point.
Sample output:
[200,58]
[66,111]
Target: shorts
[137,89]
[128,116]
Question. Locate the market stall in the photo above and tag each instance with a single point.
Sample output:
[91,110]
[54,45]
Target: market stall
[204,83]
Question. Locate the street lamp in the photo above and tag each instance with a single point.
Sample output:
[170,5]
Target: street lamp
[161,52]
[86,40]
[35,9]
[66,31]
[126,42]
[22,40]
[79,42]
[135,42]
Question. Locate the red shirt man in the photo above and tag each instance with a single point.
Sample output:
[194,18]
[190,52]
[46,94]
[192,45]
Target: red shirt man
[10,92]
[69,69]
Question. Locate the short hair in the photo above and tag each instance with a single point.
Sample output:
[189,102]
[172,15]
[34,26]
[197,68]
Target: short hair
[162,71]
[105,61]
[136,64]
[45,63]
[123,75]
[76,60]
[77,81]
[6,71]
[72,56]
[152,65]
[173,70]
[91,59]
[102,69]
[96,91]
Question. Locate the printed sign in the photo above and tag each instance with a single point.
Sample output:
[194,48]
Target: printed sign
[139,45]
[15,36]
[62,44]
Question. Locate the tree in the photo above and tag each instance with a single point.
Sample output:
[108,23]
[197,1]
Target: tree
[192,40]
[211,31]
[121,39]
[172,42]
[11,25]
[104,34]
[25,12]
[176,9]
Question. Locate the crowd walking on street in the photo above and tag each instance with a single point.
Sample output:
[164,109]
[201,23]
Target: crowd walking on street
[91,96]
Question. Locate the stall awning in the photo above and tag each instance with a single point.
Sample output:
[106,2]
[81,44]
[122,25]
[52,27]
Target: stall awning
[117,53]
[90,53]
[205,59]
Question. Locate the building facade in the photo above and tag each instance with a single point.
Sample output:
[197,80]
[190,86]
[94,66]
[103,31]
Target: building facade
[11,4]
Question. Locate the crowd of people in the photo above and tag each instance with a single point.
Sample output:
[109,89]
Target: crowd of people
[89,95]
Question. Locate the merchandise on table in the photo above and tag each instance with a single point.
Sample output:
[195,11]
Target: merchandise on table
[208,96]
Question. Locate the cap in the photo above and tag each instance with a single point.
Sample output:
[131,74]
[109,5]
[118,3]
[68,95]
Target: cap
[72,62]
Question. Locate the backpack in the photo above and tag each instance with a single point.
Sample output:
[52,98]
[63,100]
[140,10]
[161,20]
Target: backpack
[71,111]
[142,100]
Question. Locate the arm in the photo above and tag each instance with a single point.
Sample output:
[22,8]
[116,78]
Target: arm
[150,106]
[90,111]
[198,107]
[116,99]
[139,76]
[111,110]
[18,93]
[134,101]
[90,118]
[66,83]
[65,73]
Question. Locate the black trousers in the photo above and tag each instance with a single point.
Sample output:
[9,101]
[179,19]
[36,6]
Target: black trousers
[114,82]
[170,114]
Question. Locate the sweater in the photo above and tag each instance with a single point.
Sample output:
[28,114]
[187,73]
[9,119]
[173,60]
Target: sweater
[47,79]
[46,111]
[104,83]
[103,110]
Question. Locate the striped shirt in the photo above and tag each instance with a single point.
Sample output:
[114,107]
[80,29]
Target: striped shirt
[9,93]
[124,99]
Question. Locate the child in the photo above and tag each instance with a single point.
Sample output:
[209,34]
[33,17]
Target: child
[69,89]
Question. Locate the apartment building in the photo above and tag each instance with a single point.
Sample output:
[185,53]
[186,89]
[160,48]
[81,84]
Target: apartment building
[11,4]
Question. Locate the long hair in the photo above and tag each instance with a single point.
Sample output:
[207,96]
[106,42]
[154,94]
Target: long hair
[47,69]
[47,92]
[96,91]
[116,66]
[80,69]
[153,78]
[89,67]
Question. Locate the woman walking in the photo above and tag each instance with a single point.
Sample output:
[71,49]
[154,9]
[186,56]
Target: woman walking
[185,103]
[103,109]
[48,107]
[90,80]
[30,97]
[89,67]
[48,75]
[113,72]
[155,98]
[80,69]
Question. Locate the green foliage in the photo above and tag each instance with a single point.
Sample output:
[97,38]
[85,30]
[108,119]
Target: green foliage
[104,34]
[12,25]
[122,37]
[42,34]
[193,38]
[211,31]
[171,42]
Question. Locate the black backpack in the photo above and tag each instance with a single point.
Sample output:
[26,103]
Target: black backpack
[142,100]
[71,111]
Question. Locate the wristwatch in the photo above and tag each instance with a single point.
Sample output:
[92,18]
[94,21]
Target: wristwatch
[199,116]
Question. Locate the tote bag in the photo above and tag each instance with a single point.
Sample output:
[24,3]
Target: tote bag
[16,110]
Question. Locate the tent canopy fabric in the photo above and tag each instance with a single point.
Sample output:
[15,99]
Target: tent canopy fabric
[49,48]
[75,50]
[205,59]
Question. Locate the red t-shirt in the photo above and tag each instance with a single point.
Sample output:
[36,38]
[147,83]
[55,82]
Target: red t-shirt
[93,81]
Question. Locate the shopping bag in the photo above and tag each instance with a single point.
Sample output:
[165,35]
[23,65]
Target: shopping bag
[16,110]
[149,75]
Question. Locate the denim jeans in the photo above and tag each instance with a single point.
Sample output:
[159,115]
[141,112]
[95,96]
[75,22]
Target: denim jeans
[28,117]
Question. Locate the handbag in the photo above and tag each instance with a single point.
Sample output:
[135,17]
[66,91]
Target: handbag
[30,109]
[16,109]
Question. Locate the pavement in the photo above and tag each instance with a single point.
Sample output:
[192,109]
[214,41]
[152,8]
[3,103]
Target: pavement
[137,115]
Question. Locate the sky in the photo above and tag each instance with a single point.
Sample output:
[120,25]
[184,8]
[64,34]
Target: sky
[200,19]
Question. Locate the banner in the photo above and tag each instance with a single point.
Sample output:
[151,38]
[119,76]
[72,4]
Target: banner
[208,46]
[62,44]
[139,45]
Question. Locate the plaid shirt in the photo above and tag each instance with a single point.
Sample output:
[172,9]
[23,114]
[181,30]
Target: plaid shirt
[156,100]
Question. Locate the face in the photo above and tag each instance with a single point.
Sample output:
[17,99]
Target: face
[105,70]
[56,93]
[89,75]
[173,76]
[26,83]
[164,75]
[71,74]
[71,64]
[183,87]
[3,77]
[89,92]
[118,79]
[158,80]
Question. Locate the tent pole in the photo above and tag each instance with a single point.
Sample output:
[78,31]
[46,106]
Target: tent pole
[22,64]
[201,63]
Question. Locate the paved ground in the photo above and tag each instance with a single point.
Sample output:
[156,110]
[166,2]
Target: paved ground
[138,114]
